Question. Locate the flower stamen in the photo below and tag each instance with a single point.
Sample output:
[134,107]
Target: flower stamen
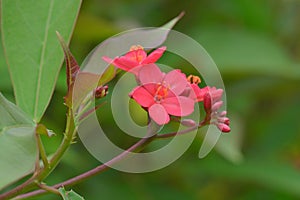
[161,92]
[194,79]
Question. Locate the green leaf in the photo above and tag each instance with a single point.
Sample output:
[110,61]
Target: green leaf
[69,195]
[32,49]
[5,83]
[107,75]
[18,148]
[11,115]
[172,23]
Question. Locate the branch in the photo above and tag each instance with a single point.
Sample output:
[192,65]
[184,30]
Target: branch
[91,172]
[138,146]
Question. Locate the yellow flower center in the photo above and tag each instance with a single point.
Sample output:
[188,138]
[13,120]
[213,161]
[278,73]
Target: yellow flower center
[136,47]
[161,92]
[138,56]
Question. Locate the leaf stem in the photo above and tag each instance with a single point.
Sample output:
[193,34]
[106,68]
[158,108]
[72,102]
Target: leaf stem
[45,171]
[48,188]
[97,170]
[41,152]
[141,143]
[168,135]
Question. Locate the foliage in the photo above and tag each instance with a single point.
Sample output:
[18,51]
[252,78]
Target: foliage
[256,47]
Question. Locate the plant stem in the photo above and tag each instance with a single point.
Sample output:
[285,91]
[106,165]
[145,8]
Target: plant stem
[41,151]
[45,171]
[168,135]
[97,170]
[141,143]
[49,189]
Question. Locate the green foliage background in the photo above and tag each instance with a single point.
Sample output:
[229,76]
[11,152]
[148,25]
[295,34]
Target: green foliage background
[256,46]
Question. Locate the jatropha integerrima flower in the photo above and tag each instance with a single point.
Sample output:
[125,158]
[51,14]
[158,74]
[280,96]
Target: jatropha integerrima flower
[136,57]
[160,94]
[169,94]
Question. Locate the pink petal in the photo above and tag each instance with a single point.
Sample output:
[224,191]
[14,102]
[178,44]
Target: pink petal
[198,93]
[158,113]
[150,74]
[151,88]
[124,63]
[179,106]
[142,96]
[176,81]
[107,59]
[154,56]
[136,55]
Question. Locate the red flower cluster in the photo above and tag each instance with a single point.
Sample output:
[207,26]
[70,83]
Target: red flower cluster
[164,94]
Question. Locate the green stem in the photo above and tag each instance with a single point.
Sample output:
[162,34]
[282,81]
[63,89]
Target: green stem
[44,172]
[140,145]
[77,179]
[49,189]
[42,152]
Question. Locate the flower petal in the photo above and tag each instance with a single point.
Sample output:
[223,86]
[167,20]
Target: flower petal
[154,56]
[198,93]
[125,63]
[136,55]
[150,74]
[176,81]
[158,113]
[142,96]
[107,59]
[179,106]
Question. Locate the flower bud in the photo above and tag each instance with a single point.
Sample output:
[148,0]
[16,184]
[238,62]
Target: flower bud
[188,122]
[224,120]
[223,127]
[101,91]
[223,114]
[217,105]
[207,103]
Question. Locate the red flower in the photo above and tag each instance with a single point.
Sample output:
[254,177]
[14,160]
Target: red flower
[161,93]
[137,56]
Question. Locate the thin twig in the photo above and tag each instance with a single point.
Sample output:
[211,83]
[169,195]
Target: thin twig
[91,172]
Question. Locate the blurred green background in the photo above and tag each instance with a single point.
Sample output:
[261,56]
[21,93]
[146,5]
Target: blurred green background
[256,46]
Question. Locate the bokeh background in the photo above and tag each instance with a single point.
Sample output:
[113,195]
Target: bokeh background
[256,46]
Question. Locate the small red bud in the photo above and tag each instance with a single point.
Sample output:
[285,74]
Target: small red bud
[207,103]
[224,120]
[223,127]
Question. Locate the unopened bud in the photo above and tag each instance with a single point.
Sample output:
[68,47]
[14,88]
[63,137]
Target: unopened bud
[223,114]
[207,103]
[223,127]
[188,122]
[216,106]
[101,91]
[216,94]
[224,120]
